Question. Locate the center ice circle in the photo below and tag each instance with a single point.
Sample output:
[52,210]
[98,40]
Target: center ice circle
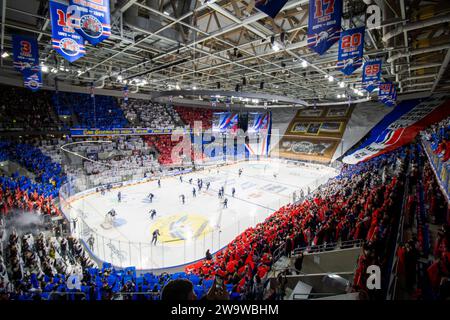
[181,227]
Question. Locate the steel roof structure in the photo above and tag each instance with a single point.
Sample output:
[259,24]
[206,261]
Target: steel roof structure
[161,45]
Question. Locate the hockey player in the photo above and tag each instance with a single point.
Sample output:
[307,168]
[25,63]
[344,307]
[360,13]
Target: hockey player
[207,185]
[152,213]
[182,198]
[240,172]
[155,236]
[233,191]
[225,203]
[194,192]
[119,196]
[159,183]
[150,197]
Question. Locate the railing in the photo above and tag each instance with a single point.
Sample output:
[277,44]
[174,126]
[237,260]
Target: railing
[393,271]
[440,169]
[326,247]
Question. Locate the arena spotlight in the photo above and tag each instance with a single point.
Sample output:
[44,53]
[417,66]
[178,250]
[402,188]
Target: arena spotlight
[194,88]
[119,77]
[330,79]
[5,54]
[276,47]
[304,63]
[341,84]
[44,68]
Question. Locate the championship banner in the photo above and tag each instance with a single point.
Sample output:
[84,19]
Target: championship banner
[324,27]
[125,94]
[32,79]
[387,93]
[371,74]
[92,19]
[91,90]
[65,40]
[400,127]
[227,102]
[351,49]
[270,7]
[26,53]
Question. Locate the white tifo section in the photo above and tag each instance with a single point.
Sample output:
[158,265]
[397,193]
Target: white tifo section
[281,119]
[364,117]
[201,223]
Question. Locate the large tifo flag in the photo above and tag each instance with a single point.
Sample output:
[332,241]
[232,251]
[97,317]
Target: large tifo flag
[270,7]
[65,39]
[351,49]
[324,26]
[400,127]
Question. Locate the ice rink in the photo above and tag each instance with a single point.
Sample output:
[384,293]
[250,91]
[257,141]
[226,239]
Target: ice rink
[188,230]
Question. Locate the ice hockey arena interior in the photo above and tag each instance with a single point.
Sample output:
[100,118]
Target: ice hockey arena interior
[239,150]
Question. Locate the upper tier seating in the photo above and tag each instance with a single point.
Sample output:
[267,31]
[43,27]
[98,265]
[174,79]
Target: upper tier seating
[146,114]
[100,112]
[21,109]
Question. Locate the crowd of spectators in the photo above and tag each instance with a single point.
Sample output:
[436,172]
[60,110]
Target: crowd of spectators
[102,112]
[48,176]
[191,115]
[144,114]
[423,267]
[439,135]
[21,109]
[39,265]
[360,204]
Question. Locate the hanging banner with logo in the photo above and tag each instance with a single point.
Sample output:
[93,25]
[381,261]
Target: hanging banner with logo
[25,52]
[400,127]
[387,94]
[324,27]
[91,90]
[270,7]
[214,101]
[65,40]
[351,49]
[32,79]
[91,19]
[371,74]
[227,102]
[126,92]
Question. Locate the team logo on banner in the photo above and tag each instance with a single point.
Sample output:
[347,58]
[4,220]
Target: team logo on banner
[351,48]
[270,7]
[26,53]
[125,94]
[324,27]
[91,19]
[387,94]
[32,79]
[371,74]
[65,40]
